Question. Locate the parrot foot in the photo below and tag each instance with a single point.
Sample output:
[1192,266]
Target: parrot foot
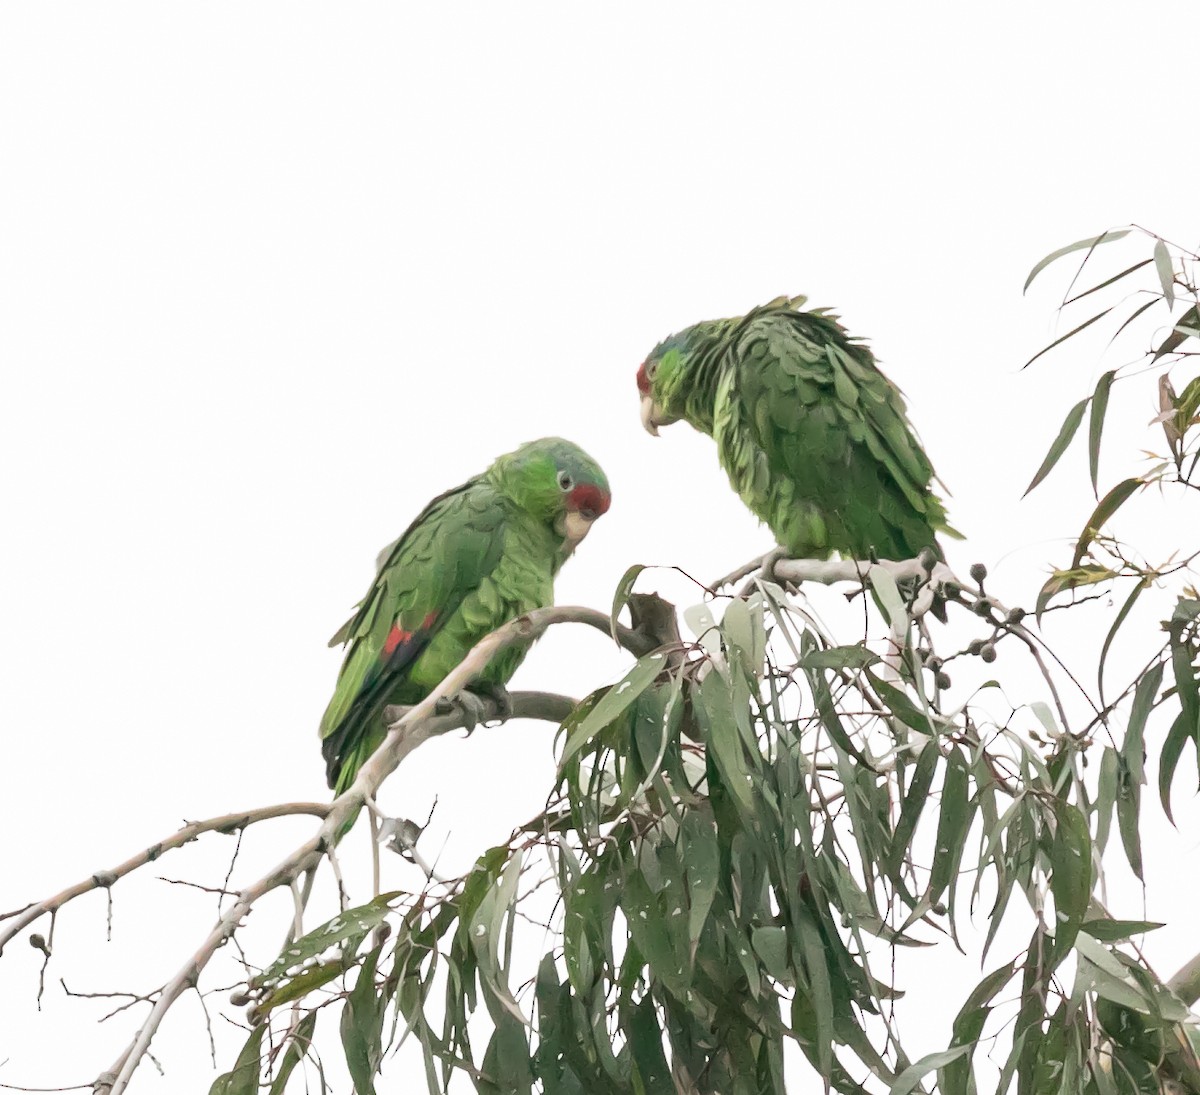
[471,704]
[769,561]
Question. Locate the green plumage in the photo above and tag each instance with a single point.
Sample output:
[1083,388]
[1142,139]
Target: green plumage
[814,438]
[476,557]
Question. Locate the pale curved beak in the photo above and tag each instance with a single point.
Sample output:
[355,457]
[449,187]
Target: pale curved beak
[573,526]
[649,416]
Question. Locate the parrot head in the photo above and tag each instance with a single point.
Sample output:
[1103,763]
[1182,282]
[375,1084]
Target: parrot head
[659,381]
[558,483]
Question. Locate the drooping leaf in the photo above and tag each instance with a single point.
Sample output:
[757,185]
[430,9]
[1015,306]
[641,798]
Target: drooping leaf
[1168,760]
[954,1076]
[1137,591]
[645,1043]
[912,806]
[1096,424]
[609,706]
[908,1080]
[1070,334]
[1071,876]
[297,1050]
[1107,506]
[362,1026]
[621,596]
[1091,244]
[1115,931]
[242,1079]
[1108,281]
[1187,326]
[1065,434]
[954,822]
[1166,271]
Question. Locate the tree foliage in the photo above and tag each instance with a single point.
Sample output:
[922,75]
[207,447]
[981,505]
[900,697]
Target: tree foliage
[748,825]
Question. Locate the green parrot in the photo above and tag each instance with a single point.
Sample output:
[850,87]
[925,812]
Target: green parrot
[476,557]
[814,438]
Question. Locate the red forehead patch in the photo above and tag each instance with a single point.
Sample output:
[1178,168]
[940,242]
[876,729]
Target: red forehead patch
[590,497]
[643,380]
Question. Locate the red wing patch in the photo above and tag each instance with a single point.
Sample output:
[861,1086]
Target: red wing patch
[402,646]
[395,637]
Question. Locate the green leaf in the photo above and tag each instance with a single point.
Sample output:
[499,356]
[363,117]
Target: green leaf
[1188,326]
[242,1079]
[1108,505]
[312,977]
[346,925]
[954,822]
[361,1027]
[1166,271]
[1070,334]
[715,715]
[839,657]
[954,1077]
[1096,423]
[505,1064]
[1116,625]
[651,1071]
[1115,931]
[700,855]
[1144,696]
[885,589]
[1071,876]
[1062,580]
[1129,799]
[910,810]
[298,1047]
[1106,795]
[908,1080]
[1168,760]
[1065,434]
[771,946]
[1109,281]
[621,597]
[610,705]
[1091,244]
[648,928]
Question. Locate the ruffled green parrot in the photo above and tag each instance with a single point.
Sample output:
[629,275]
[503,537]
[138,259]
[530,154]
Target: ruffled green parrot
[814,438]
[476,557]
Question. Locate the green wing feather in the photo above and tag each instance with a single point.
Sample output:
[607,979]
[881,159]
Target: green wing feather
[817,440]
[431,584]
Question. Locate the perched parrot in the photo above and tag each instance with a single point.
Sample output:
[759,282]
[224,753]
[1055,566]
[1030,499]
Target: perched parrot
[476,557]
[814,438]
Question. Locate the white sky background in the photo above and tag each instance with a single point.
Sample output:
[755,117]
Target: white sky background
[271,276]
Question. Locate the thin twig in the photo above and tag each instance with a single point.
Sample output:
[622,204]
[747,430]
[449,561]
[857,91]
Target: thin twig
[227,823]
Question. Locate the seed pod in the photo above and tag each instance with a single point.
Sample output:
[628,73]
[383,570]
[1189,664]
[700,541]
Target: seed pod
[942,679]
[988,653]
[978,572]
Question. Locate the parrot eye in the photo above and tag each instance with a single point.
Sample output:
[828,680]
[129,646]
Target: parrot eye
[565,481]
[651,369]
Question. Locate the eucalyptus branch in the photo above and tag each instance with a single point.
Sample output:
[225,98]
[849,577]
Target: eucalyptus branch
[226,823]
[417,725]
